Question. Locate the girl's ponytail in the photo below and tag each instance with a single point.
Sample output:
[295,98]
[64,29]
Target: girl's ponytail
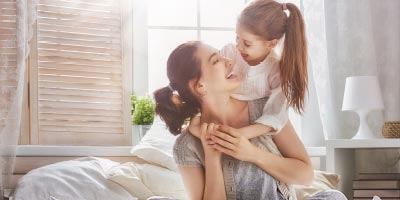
[293,64]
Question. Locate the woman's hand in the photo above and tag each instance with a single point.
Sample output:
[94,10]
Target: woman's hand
[228,140]
[206,130]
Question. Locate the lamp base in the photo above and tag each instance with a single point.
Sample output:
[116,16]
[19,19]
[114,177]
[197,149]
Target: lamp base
[364,132]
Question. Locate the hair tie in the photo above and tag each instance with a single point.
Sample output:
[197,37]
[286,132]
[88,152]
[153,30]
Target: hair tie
[170,88]
[284,7]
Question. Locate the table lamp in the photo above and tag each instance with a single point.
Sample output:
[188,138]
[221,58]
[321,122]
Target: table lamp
[362,94]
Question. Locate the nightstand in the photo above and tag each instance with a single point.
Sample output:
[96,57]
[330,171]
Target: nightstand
[340,158]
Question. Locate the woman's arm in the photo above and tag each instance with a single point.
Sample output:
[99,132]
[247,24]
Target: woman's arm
[293,168]
[205,183]
[193,180]
[295,165]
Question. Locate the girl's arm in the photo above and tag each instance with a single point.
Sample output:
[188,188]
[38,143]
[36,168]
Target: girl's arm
[275,112]
[293,168]
[255,130]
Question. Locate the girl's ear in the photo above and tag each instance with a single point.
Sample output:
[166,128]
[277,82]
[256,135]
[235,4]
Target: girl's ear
[272,43]
[197,87]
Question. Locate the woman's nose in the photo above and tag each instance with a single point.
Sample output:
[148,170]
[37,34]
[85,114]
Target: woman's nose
[228,62]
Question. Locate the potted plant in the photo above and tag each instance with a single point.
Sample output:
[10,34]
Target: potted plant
[143,111]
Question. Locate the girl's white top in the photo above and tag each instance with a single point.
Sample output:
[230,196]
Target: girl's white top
[262,80]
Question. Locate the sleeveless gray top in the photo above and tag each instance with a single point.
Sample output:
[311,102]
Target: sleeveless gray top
[243,180]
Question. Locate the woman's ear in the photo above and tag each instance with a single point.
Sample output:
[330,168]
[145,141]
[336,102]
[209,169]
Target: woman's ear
[198,88]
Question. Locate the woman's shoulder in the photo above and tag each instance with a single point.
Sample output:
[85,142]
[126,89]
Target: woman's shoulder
[185,137]
[188,150]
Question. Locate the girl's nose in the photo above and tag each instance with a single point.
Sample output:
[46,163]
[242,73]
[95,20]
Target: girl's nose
[238,46]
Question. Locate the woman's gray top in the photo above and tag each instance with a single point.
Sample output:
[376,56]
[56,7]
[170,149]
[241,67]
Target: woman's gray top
[243,180]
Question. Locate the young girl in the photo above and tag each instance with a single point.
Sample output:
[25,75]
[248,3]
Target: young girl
[264,74]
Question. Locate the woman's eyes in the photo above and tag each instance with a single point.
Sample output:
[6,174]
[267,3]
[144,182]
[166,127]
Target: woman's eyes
[216,61]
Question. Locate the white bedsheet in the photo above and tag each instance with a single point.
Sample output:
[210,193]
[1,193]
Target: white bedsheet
[80,179]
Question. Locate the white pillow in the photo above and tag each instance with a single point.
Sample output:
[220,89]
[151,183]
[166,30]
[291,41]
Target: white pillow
[83,178]
[146,180]
[156,146]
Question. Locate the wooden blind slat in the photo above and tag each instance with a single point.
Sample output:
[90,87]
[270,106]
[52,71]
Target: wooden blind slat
[79,19]
[81,5]
[98,37]
[79,92]
[79,24]
[8,44]
[85,49]
[63,60]
[72,11]
[82,30]
[81,129]
[53,65]
[79,98]
[74,123]
[8,50]
[8,11]
[83,81]
[79,55]
[58,84]
[78,42]
[79,74]
[11,25]
[80,117]
[83,112]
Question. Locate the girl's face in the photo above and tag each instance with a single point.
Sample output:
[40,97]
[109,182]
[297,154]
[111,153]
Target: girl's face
[216,72]
[252,48]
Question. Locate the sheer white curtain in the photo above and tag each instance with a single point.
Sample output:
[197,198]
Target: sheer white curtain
[13,53]
[348,38]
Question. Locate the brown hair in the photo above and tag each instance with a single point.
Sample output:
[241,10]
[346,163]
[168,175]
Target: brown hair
[267,19]
[182,67]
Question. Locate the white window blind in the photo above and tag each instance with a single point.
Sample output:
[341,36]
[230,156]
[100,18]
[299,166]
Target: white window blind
[78,74]
[8,57]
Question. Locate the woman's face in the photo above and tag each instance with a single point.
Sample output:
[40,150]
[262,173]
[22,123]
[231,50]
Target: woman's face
[252,48]
[216,72]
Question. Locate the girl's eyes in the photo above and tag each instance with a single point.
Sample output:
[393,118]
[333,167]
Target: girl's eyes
[216,61]
[246,45]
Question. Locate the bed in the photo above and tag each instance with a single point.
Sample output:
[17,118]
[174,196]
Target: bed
[150,174]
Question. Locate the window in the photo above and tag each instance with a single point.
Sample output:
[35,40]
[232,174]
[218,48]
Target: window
[79,73]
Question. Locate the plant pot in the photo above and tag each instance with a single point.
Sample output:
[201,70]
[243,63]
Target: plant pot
[139,131]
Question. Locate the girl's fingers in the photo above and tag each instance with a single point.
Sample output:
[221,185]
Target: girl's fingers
[226,137]
[224,150]
[223,143]
[210,128]
[229,130]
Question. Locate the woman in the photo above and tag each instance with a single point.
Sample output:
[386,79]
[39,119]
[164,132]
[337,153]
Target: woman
[223,164]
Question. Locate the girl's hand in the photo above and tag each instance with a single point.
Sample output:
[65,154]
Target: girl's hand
[206,131]
[228,140]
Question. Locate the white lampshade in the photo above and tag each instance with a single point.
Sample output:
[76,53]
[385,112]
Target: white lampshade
[362,93]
